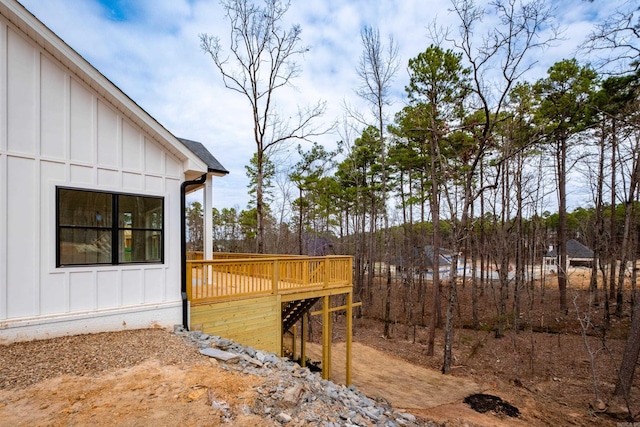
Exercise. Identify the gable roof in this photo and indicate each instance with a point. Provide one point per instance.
(50, 42)
(205, 155)
(575, 249)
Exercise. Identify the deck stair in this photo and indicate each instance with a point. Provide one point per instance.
(294, 310)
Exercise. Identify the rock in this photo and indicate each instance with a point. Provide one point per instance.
(283, 418)
(599, 405)
(251, 360)
(298, 396)
(618, 410)
(293, 394)
(408, 417)
(224, 356)
(260, 356)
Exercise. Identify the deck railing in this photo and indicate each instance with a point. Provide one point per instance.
(199, 255)
(247, 275)
(195, 255)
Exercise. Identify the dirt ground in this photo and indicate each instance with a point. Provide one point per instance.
(544, 367)
(558, 392)
(131, 378)
(152, 377)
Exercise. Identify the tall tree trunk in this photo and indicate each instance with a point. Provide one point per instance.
(519, 235)
(562, 223)
(435, 220)
(451, 301)
(474, 278)
(598, 238)
(629, 216)
(260, 202)
(630, 358)
(613, 260)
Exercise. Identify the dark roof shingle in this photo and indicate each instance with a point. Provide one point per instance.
(575, 249)
(203, 154)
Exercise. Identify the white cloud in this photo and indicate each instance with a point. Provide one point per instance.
(153, 55)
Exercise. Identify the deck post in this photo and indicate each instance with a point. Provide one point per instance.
(276, 276)
(326, 338)
(294, 342)
(349, 332)
(303, 342)
(326, 272)
(280, 332)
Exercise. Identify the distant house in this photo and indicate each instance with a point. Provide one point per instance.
(428, 256)
(424, 257)
(319, 246)
(92, 190)
(578, 255)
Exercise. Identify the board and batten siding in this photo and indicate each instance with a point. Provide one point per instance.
(57, 131)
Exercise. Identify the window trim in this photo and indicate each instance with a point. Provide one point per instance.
(114, 229)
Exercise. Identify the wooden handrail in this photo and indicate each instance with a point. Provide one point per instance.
(209, 280)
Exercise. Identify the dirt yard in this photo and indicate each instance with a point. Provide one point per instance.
(543, 368)
(152, 377)
(131, 378)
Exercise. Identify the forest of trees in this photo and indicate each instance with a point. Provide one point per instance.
(479, 161)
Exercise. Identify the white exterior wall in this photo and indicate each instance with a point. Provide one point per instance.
(56, 131)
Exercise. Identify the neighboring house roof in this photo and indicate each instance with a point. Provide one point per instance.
(575, 249)
(83, 70)
(444, 256)
(205, 155)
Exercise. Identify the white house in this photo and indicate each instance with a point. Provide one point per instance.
(578, 255)
(91, 195)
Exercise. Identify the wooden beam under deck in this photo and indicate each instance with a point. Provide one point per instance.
(224, 297)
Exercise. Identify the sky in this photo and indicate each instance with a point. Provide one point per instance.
(151, 50)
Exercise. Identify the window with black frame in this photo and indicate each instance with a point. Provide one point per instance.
(108, 228)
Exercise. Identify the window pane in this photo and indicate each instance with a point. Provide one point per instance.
(140, 246)
(85, 246)
(84, 208)
(140, 212)
(88, 232)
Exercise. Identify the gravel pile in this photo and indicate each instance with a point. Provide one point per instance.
(292, 395)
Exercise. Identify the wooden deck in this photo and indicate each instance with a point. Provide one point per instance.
(241, 296)
(232, 277)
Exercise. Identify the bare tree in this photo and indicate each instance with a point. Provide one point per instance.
(376, 69)
(262, 60)
(616, 40)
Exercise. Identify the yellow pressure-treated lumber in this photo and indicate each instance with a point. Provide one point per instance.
(303, 342)
(326, 338)
(240, 296)
(349, 332)
(333, 309)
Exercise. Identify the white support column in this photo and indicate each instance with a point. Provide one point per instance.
(208, 218)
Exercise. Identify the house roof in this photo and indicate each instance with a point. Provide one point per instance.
(575, 249)
(442, 252)
(205, 155)
(50, 42)
(425, 256)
